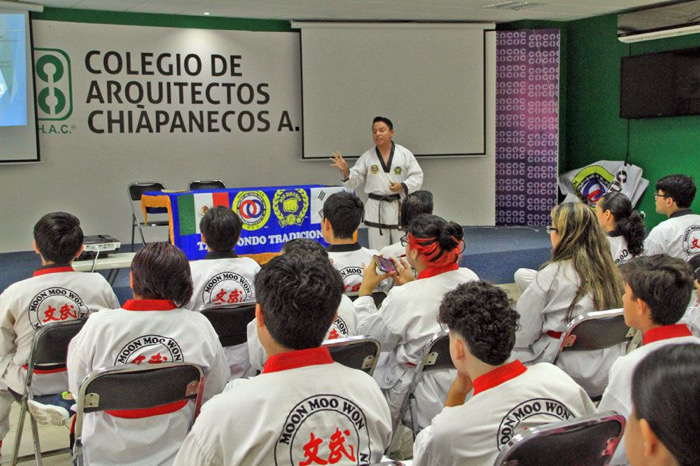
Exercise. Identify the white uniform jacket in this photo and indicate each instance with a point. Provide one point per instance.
(394, 250)
(542, 308)
(505, 402)
(303, 407)
(223, 279)
(348, 259)
(53, 294)
(692, 315)
(404, 324)
(618, 394)
(679, 236)
(344, 326)
(618, 248)
(143, 332)
(376, 176)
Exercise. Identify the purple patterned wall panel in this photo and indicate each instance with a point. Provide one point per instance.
(527, 125)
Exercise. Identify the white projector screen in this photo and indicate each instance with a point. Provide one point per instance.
(428, 78)
(18, 133)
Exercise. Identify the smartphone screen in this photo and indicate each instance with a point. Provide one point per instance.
(385, 265)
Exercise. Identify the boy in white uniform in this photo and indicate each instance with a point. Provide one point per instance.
(152, 328)
(657, 291)
(303, 408)
(482, 324)
(224, 278)
(692, 314)
(56, 293)
(389, 172)
(679, 236)
(416, 203)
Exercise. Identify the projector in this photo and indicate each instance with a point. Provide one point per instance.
(100, 246)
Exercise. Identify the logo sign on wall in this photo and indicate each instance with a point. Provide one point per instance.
(527, 125)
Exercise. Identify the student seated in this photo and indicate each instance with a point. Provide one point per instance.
(342, 327)
(472, 431)
(416, 203)
(407, 319)
(662, 429)
(657, 291)
(679, 236)
(224, 278)
(304, 408)
(581, 277)
(623, 225)
(342, 214)
(692, 314)
(56, 293)
(152, 328)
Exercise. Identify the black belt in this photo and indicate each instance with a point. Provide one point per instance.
(385, 198)
(380, 225)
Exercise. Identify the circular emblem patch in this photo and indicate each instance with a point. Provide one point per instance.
(352, 278)
(149, 349)
(324, 429)
(253, 207)
(227, 288)
(545, 409)
(56, 305)
(290, 206)
(374, 169)
(397, 170)
(691, 240)
(591, 183)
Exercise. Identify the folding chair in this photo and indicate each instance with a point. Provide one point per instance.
(593, 331)
(229, 321)
(123, 388)
(206, 184)
(377, 296)
(135, 191)
(49, 351)
(360, 352)
(436, 355)
(589, 441)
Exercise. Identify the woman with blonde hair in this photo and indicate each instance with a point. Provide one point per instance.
(580, 277)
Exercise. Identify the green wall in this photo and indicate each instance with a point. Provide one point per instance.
(595, 131)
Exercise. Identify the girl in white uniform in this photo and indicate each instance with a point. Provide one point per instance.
(623, 224)
(416, 203)
(581, 277)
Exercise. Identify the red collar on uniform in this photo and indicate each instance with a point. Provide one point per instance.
(53, 269)
(666, 332)
(296, 359)
(149, 305)
(499, 375)
(432, 271)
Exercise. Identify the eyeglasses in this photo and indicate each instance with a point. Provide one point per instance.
(550, 229)
(404, 240)
(661, 195)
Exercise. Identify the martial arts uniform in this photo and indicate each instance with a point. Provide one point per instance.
(679, 236)
(342, 327)
(542, 308)
(56, 293)
(226, 279)
(348, 259)
(505, 402)
(143, 332)
(303, 407)
(618, 394)
(404, 324)
(395, 250)
(618, 248)
(382, 207)
(691, 318)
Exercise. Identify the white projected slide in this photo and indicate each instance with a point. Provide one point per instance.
(13, 71)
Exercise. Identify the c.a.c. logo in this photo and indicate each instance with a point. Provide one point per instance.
(254, 209)
(591, 183)
(56, 305)
(324, 429)
(54, 94)
(691, 240)
(290, 206)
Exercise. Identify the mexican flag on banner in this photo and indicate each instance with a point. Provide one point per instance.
(191, 208)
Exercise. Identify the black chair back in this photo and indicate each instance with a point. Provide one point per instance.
(359, 352)
(137, 189)
(206, 184)
(230, 321)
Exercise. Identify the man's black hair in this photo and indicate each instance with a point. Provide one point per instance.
(483, 315)
(162, 271)
(416, 203)
(299, 296)
(58, 237)
(385, 120)
(344, 211)
(221, 228)
(305, 246)
(680, 188)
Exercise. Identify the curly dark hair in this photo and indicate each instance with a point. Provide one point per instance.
(482, 314)
(304, 246)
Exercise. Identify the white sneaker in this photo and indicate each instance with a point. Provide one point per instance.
(48, 415)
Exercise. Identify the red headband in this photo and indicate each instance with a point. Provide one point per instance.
(430, 249)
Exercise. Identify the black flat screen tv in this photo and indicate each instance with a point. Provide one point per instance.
(660, 84)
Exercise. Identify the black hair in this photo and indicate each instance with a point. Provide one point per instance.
(628, 222)
(680, 188)
(436, 234)
(666, 393)
(299, 296)
(58, 237)
(695, 265)
(665, 283)
(344, 211)
(385, 120)
(221, 228)
(162, 271)
(416, 203)
(483, 315)
(304, 246)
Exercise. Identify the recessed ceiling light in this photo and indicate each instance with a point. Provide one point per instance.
(512, 5)
(206, 13)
